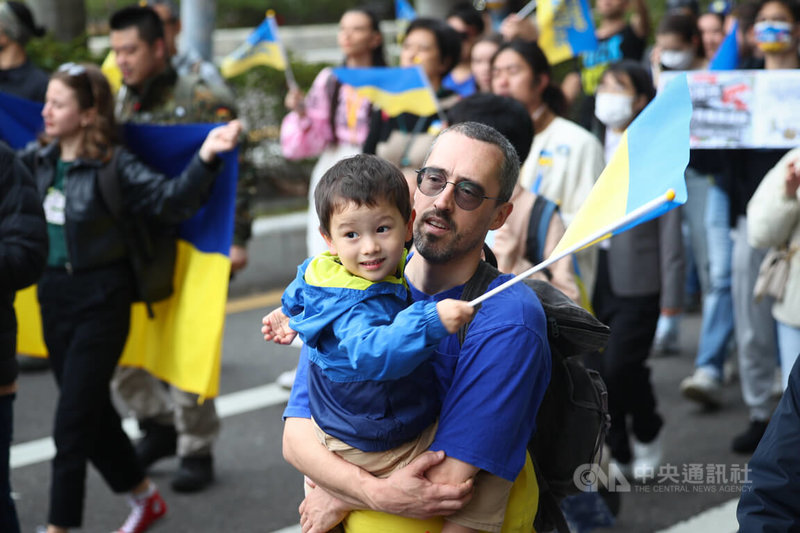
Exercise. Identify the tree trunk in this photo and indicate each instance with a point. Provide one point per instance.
(64, 19)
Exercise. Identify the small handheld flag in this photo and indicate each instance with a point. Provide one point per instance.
(262, 47)
(727, 56)
(404, 11)
(395, 90)
(643, 180)
(566, 28)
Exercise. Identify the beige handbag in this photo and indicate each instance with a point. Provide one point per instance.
(773, 273)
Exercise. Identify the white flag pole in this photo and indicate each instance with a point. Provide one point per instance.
(627, 219)
(273, 26)
(527, 9)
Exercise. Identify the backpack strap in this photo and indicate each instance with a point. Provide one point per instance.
(538, 225)
(108, 182)
(477, 285)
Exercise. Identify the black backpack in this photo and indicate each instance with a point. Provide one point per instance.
(152, 247)
(573, 417)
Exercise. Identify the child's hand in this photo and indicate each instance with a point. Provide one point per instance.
(454, 313)
(276, 328)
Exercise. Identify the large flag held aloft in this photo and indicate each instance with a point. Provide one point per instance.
(565, 27)
(395, 90)
(183, 344)
(643, 180)
(262, 47)
(727, 56)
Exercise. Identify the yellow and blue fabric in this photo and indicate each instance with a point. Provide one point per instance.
(183, 344)
(394, 90)
(727, 56)
(565, 28)
(370, 379)
(20, 120)
(404, 11)
(262, 47)
(650, 161)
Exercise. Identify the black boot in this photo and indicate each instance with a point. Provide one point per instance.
(159, 441)
(747, 442)
(195, 474)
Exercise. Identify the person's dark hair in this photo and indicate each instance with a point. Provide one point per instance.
(553, 96)
(509, 168)
(25, 19)
(91, 90)
(503, 113)
(468, 15)
(691, 6)
(362, 179)
(639, 76)
(495, 38)
(791, 6)
(684, 26)
(746, 15)
(143, 18)
(447, 40)
(174, 12)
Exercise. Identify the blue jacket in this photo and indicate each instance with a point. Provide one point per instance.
(770, 501)
(370, 382)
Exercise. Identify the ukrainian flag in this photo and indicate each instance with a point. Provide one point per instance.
(183, 344)
(262, 47)
(727, 56)
(645, 174)
(395, 90)
(404, 11)
(566, 28)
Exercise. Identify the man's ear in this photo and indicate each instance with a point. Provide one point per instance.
(328, 241)
(500, 215)
(410, 226)
(160, 49)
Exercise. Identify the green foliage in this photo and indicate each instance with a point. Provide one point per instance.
(48, 53)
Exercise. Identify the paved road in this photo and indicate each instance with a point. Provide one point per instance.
(256, 491)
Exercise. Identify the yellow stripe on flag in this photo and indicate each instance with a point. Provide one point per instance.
(416, 101)
(267, 54)
(183, 344)
(606, 203)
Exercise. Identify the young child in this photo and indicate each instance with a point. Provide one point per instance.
(372, 393)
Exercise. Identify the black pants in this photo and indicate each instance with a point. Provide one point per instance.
(86, 317)
(8, 513)
(633, 323)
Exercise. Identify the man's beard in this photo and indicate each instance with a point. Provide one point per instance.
(438, 250)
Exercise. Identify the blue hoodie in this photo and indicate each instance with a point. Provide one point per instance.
(370, 382)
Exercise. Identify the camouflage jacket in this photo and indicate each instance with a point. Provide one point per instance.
(169, 98)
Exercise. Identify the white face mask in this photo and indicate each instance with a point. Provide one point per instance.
(677, 59)
(613, 109)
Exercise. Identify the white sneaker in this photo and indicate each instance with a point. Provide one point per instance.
(286, 379)
(703, 387)
(647, 459)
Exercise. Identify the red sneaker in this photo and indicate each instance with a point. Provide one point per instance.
(144, 512)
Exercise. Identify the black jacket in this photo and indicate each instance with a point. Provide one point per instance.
(93, 237)
(23, 250)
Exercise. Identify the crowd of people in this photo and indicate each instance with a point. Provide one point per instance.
(406, 401)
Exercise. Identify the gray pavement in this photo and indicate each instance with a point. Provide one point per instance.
(256, 491)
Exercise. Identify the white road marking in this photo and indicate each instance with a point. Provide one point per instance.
(235, 403)
(719, 519)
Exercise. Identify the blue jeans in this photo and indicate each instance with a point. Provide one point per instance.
(788, 349)
(9, 523)
(717, 324)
